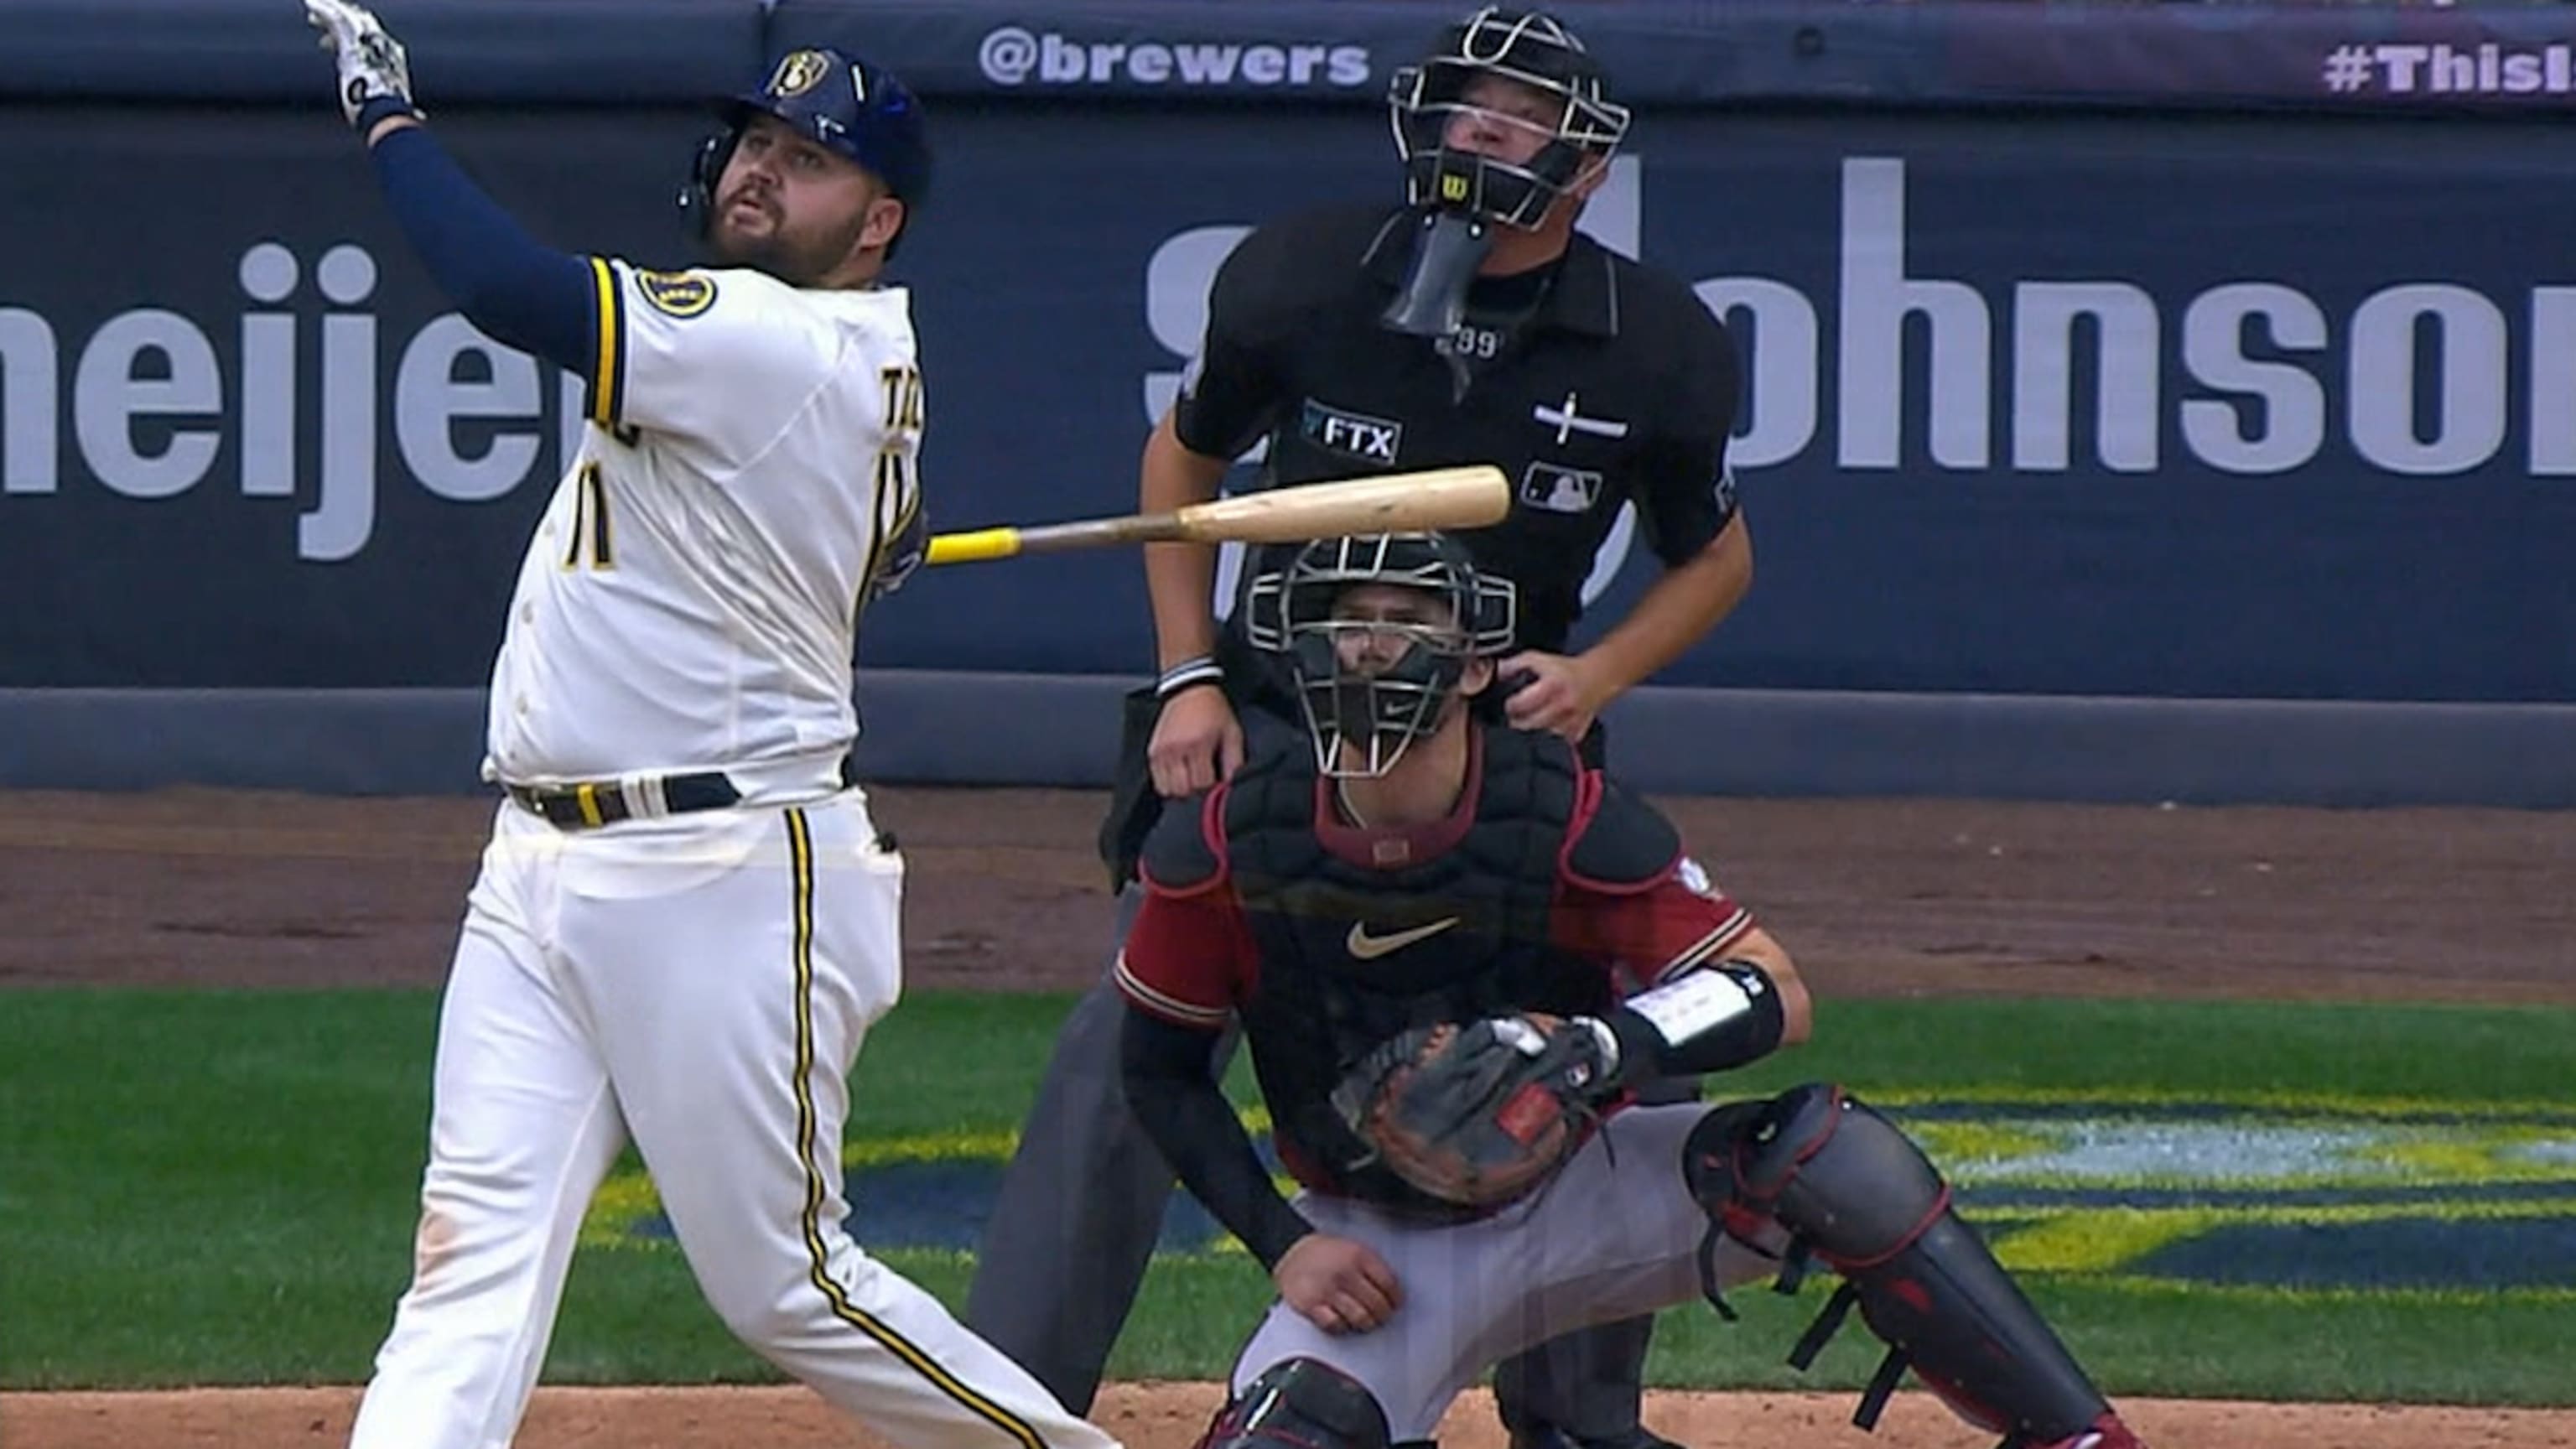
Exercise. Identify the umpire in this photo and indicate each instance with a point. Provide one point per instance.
(1471, 325)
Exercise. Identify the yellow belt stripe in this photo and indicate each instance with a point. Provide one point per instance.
(800, 850)
(587, 796)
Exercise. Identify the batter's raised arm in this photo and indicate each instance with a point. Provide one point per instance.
(529, 296)
(805, 187)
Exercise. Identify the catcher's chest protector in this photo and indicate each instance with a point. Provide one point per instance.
(1350, 955)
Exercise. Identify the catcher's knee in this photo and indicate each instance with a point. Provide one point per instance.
(1831, 1170)
(1300, 1403)
(1853, 1190)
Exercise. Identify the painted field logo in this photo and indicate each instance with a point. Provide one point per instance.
(2282, 1197)
(2297, 1197)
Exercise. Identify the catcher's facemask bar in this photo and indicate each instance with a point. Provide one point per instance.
(1363, 709)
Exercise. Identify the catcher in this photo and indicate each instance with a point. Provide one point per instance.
(1423, 930)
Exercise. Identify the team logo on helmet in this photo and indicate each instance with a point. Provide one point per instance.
(876, 122)
(800, 71)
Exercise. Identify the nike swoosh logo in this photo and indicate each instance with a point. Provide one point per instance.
(1369, 948)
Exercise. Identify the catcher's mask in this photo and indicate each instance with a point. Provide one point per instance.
(1534, 50)
(840, 102)
(1377, 681)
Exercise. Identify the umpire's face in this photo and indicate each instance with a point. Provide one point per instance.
(1505, 119)
(1513, 123)
(800, 212)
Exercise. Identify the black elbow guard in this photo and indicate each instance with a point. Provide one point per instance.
(1706, 1019)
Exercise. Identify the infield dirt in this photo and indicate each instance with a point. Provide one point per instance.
(1876, 898)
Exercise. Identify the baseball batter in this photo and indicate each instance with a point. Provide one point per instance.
(1421, 925)
(685, 922)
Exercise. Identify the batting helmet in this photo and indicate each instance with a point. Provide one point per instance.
(1528, 47)
(837, 100)
(1378, 705)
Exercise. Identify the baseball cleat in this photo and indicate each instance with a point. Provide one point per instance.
(2107, 1433)
(1548, 1436)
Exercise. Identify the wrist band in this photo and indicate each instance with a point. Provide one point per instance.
(1187, 674)
(380, 109)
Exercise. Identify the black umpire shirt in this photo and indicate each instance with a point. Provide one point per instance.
(1592, 383)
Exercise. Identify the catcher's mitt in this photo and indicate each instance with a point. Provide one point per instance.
(1480, 1113)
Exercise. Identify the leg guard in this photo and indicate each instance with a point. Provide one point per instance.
(1300, 1403)
(1860, 1196)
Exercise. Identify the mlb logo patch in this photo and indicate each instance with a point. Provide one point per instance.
(1555, 488)
(1353, 435)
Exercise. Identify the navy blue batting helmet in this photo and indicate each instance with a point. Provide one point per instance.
(837, 100)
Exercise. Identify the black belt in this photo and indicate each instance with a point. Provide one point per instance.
(595, 803)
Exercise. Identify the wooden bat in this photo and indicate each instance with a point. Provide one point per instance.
(1439, 498)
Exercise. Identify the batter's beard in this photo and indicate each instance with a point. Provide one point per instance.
(799, 262)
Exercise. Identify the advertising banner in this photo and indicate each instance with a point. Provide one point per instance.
(2343, 58)
(2330, 58)
(2117, 405)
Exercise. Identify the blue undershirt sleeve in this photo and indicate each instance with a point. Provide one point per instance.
(519, 292)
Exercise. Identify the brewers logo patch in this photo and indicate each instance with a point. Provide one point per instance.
(798, 72)
(681, 294)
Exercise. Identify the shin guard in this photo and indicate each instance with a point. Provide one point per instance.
(1300, 1403)
(1857, 1193)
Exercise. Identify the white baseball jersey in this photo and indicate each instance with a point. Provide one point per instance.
(696, 983)
(690, 600)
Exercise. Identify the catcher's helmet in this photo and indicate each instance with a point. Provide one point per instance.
(1378, 705)
(1534, 49)
(836, 99)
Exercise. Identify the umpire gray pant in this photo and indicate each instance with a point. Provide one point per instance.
(1081, 1205)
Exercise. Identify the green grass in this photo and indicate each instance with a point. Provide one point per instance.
(2159, 1343)
(217, 1187)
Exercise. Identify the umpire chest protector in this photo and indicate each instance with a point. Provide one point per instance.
(1352, 953)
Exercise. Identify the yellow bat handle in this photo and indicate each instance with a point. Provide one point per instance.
(974, 546)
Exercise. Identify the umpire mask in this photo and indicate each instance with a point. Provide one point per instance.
(1505, 114)
(1376, 668)
(1493, 127)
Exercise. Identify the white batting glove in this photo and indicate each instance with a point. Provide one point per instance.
(375, 77)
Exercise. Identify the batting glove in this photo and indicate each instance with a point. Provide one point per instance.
(375, 77)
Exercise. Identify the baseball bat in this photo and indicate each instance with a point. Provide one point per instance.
(1437, 498)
